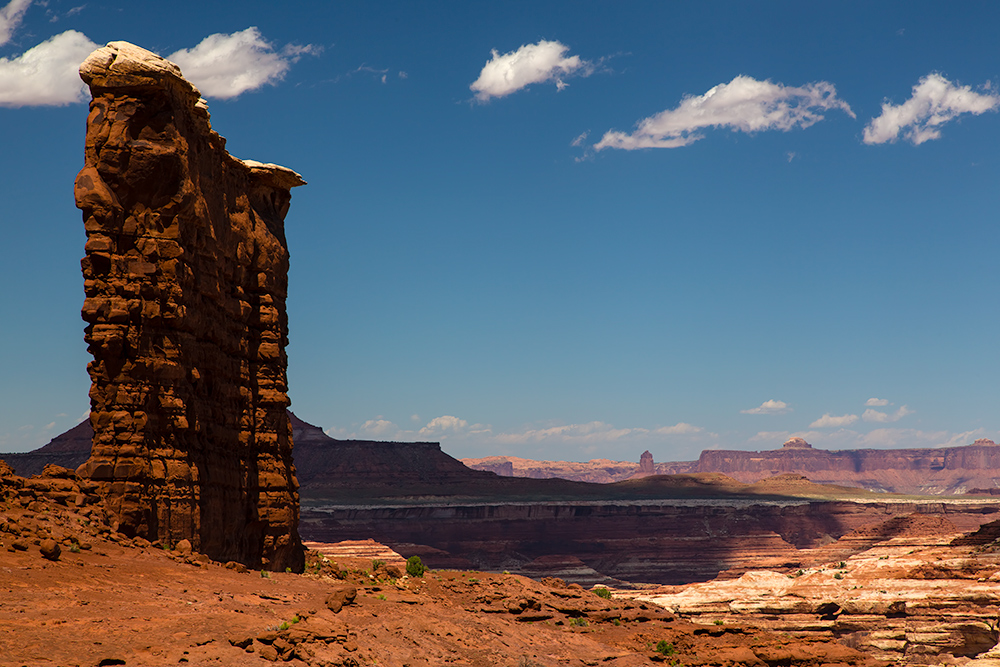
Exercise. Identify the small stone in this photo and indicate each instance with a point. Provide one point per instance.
(183, 547)
(50, 549)
(269, 653)
(267, 637)
(340, 596)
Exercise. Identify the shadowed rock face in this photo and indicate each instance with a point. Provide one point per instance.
(185, 276)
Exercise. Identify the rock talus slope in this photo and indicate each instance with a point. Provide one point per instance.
(185, 277)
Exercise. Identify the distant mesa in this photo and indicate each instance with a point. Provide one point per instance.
(973, 468)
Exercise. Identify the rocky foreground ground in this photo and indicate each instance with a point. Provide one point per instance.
(73, 591)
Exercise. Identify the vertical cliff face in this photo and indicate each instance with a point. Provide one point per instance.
(185, 276)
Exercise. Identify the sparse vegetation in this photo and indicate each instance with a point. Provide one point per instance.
(376, 564)
(719, 621)
(603, 592)
(264, 574)
(838, 575)
(75, 548)
(665, 648)
(842, 565)
(287, 624)
(415, 567)
(579, 622)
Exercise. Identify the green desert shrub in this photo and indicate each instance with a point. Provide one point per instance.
(602, 592)
(665, 647)
(415, 567)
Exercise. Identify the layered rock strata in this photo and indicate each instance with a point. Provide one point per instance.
(185, 277)
(669, 541)
(912, 597)
(947, 470)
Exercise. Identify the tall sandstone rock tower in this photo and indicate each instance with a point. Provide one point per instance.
(185, 276)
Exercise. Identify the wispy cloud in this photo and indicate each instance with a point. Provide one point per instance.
(378, 427)
(829, 421)
(744, 104)
(47, 74)
(771, 407)
(54, 16)
(877, 402)
(870, 415)
(532, 63)
(10, 18)
(935, 101)
(455, 431)
(226, 66)
(680, 428)
(915, 438)
(443, 425)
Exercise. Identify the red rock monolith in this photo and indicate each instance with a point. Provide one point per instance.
(185, 277)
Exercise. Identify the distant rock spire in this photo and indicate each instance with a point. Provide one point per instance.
(646, 463)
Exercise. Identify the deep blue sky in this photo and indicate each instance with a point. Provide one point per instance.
(458, 266)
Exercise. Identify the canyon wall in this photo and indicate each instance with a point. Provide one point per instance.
(185, 276)
(667, 542)
(947, 470)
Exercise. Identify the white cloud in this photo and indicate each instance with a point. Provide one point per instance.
(915, 439)
(379, 427)
(221, 65)
(829, 421)
(743, 104)
(589, 432)
(225, 66)
(47, 74)
(877, 402)
(935, 101)
(680, 428)
(532, 63)
(444, 424)
(771, 407)
(870, 415)
(11, 17)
